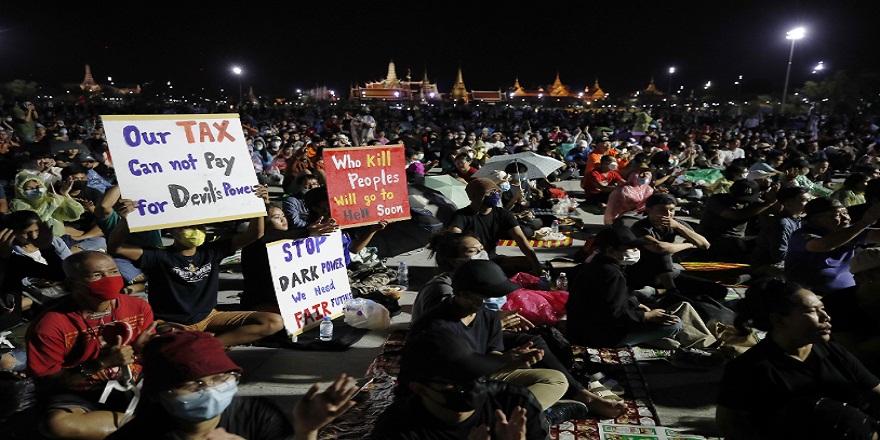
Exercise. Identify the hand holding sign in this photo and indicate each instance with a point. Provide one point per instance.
(367, 184)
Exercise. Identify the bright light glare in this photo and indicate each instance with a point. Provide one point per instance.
(796, 34)
(236, 70)
(671, 70)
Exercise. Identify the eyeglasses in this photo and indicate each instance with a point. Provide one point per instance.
(221, 382)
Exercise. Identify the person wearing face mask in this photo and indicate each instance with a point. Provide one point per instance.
(185, 276)
(599, 183)
(83, 233)
(631, 196)
(490, 223)
(31, 194)
(83, 344)
(189, 392)
(450, 397)
(601, 310)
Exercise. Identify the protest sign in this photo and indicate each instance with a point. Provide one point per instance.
(310, 279)
(366, 184)
(182, 169)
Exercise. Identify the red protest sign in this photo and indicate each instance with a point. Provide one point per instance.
(366, 184)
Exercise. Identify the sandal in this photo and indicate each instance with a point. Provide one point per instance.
(597, 387)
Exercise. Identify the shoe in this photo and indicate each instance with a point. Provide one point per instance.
(695, 358)
(566, 410)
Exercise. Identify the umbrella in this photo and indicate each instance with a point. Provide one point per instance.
(450, 188)
(539, 166)
(400, 237)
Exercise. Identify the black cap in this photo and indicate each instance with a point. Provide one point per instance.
(483, 278)
(432, 355)
(85, 158)
(820, 205)
(660, 199)
(745, 190)
(618, 236)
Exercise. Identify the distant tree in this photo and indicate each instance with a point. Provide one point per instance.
(845, 91)
(19, 90)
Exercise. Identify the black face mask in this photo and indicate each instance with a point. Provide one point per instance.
(78, 185)
(466, 397)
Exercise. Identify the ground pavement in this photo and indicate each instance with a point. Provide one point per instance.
(683, 398)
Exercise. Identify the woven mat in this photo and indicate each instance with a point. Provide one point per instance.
(540, 243)
(712, 265)
(618, 364)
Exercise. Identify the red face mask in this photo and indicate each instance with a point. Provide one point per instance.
(107, 288)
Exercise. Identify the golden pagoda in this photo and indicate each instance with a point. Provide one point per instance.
(652, 89)
(89, 84)
(557, 89)
(517, 89)
(459, 92)
(597, 94)
(392, 88)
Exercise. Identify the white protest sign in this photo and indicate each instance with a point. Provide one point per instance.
(310, 279)
(182, 169)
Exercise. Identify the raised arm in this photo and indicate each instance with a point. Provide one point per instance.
(256, 227)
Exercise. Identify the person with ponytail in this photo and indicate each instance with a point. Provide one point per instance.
(795, 366)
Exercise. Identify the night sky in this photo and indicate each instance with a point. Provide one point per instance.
(282, 46)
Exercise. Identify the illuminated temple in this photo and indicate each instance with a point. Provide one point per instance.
(393, 89)
(556, 90)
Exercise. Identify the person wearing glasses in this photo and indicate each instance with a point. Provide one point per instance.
(488, 222)
(189, 392)
(87, 341)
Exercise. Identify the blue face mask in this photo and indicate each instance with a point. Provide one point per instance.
(492, 200)
(494, 304)
(505, 186)
(34, 194)
(201, 405)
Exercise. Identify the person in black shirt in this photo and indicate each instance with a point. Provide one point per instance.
(189, 391)
(489, 223)
(726, 216)
(451, 399)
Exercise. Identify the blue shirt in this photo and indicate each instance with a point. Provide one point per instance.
(821, 272)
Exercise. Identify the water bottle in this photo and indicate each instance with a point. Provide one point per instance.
(555, 226)
(326, 329)
(545, 282)
(562, 282)
(403, 274)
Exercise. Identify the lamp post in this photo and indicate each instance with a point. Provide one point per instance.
(669, 91)
(237, 71)
(793, 35)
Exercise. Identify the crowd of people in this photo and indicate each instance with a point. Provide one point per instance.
(106, 307)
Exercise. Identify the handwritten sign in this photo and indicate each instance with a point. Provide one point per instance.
(366, 184)
(310, 280)
(182, 169)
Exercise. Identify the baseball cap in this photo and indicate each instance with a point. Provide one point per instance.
(440, 355)
(618, 236)
(483, 278)
(477, 188)
(821, 204)
(865, 259)
(181, 356)
(745, 190)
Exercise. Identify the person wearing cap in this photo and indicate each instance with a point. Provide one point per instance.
(819, 253)
(464, 317)
(631, 196)
(579, 155)
(77, 347)
(490, 223)
(189, 392)
(600, 181)
(855, 310)
(726, 216)
(450, 398)
(184, 278)
(601, 311)
(771, 246)
(655, 267)
(96, 179)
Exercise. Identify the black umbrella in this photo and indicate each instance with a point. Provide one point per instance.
(400, 237)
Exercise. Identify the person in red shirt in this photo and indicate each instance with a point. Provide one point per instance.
(599, 183)
(601, 147)
(85, 342)
(463, 170)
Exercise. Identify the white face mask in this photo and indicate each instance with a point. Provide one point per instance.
(612, 166)
(642, 181)
(482, 255)
(630, 257)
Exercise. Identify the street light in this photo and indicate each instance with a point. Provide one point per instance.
(237, 71)
(669, 91)
(793, 35)
(819, 67)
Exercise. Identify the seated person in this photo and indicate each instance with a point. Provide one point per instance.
(294, 206)
(726, 216)
(31, 194)
(83, 234)
(463, 170)
(599, 182)
(184, 279)
(516, 197)
(450, 398)
(771, 246)
(34, 262)
(820, 251)
(72, 355)
(853, 190)
(820, 172)
(796, 364)
(489, 223)
(189, 391)
(731, 174)
(655, 267)
(601, 311)
(856, 327)
(631, 196)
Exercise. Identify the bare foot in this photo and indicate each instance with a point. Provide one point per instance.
(606, 408)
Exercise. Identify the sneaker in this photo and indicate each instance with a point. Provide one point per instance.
(566, 410)
(695, 358)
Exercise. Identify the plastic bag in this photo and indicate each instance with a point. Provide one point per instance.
(366, 313)
(541, 307)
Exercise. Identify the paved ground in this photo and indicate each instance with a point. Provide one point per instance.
(684, 398)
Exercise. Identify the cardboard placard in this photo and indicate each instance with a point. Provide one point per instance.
(366, 184)
(182, 169)
(310, 279)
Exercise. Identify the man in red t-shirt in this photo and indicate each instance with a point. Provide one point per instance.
(89, 339)
(599, 183)
(463, 170)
